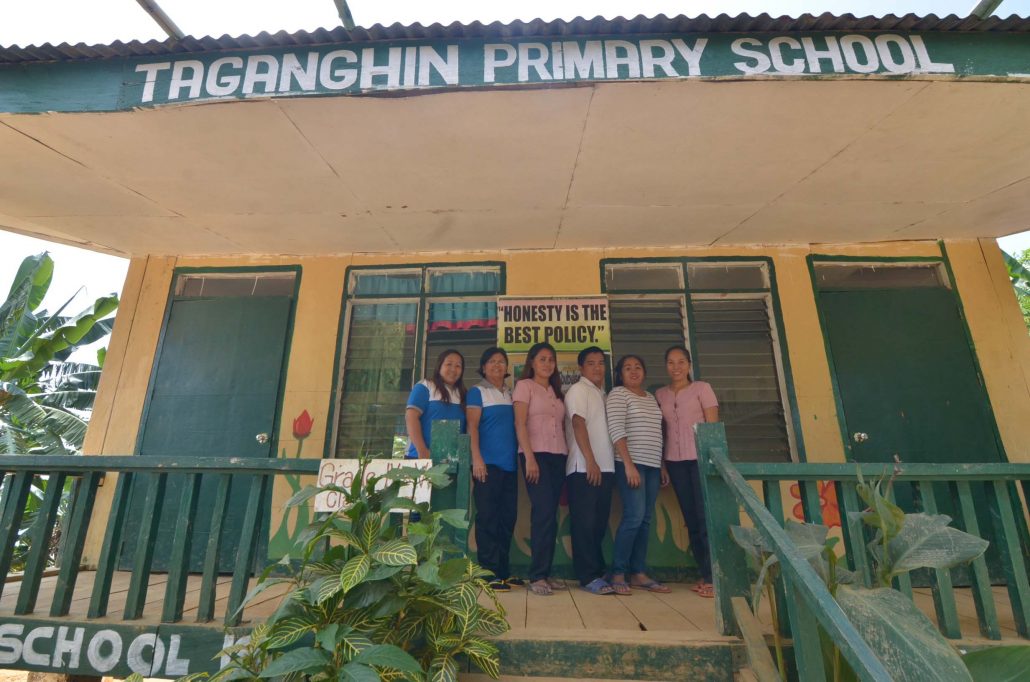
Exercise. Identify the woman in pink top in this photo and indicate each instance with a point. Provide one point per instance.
(685, 402)
(540, 428)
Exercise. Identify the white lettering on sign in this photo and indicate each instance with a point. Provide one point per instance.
(892, 53)
(62, 649)
(439, 65)
(110, 641)
(68, 645)
(135, 659)
(341, 473)
(10, 644)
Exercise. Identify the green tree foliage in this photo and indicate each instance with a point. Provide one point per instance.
(1019, 273)
(45, 399)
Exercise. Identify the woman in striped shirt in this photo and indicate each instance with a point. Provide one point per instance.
(635, 426)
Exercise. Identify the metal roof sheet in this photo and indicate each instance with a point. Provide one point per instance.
(579, 26)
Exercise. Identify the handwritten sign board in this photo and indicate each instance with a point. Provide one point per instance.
(341, 472)
(568, 324)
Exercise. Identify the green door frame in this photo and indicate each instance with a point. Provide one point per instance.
(297, 270)
(814, 258)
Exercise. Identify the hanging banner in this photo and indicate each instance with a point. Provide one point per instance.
(568, 324)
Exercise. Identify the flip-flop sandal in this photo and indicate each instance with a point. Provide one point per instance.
(707, 591)
(556, 584)
(621, 589)
(652, 586)
(541, 588)
(598, 586)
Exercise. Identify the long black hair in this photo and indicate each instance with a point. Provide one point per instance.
(617, 379)
(441, 386)
(555, 379)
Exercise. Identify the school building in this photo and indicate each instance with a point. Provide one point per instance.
(810, 204)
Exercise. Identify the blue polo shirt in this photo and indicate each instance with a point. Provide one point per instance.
(426, 399)
(497, 441)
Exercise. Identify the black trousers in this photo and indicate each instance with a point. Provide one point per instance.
(686, 482)
(497, 502)
(543, 517)
(589, 509)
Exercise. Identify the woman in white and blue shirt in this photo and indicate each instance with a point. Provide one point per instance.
(441, 397)
(491, 427)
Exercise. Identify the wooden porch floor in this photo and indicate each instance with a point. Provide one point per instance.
(263, 605)
(569, 614)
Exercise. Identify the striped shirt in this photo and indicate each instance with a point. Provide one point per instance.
(638, 419)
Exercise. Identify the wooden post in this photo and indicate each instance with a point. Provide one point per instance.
(39, 544)
(450, 446)
(729, 563)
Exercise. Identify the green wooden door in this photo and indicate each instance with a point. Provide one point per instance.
(907, 381)
(215, 388)
(906, 377)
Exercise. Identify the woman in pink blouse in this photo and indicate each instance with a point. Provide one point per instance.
(540, 428)
(685, 402)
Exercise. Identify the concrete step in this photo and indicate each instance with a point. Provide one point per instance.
(620, 655)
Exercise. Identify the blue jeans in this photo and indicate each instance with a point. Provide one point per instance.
(629, 555)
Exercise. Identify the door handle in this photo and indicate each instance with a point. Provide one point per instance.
(860, 437)
(261, 438)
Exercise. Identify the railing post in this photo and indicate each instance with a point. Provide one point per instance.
(806, 639)
(451, 447)
(729, 564)
(39, 544)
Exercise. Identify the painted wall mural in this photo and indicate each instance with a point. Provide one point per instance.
(827, 503)
(286, 534)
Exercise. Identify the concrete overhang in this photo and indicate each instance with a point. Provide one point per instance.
(617, 164)
(695, 160)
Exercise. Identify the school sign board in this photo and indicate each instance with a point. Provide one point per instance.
(362, 68)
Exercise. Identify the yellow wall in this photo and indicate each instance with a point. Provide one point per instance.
(996, 325)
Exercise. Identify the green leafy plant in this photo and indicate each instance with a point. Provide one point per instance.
(45, 398)
(902, 636)
(1019, 272)
(371, 599)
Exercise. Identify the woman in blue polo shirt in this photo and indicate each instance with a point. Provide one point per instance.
(441, 397)
(491, 424)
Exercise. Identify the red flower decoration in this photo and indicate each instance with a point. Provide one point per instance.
(827, 503)
(302, 425)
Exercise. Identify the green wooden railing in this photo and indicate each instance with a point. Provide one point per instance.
(806, 604)
(151, 477)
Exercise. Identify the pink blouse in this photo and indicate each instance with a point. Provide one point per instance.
(546, 421)
(680, 411)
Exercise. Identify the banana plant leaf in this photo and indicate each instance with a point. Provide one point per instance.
(904, 640)
(927, 541)
(1018, 273)
(999, 664)
(55, 425)
(39, 351)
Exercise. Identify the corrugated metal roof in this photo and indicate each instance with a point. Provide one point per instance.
(723, 23)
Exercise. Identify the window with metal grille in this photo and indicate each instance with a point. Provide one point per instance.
(398, 320)
(731, 332)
